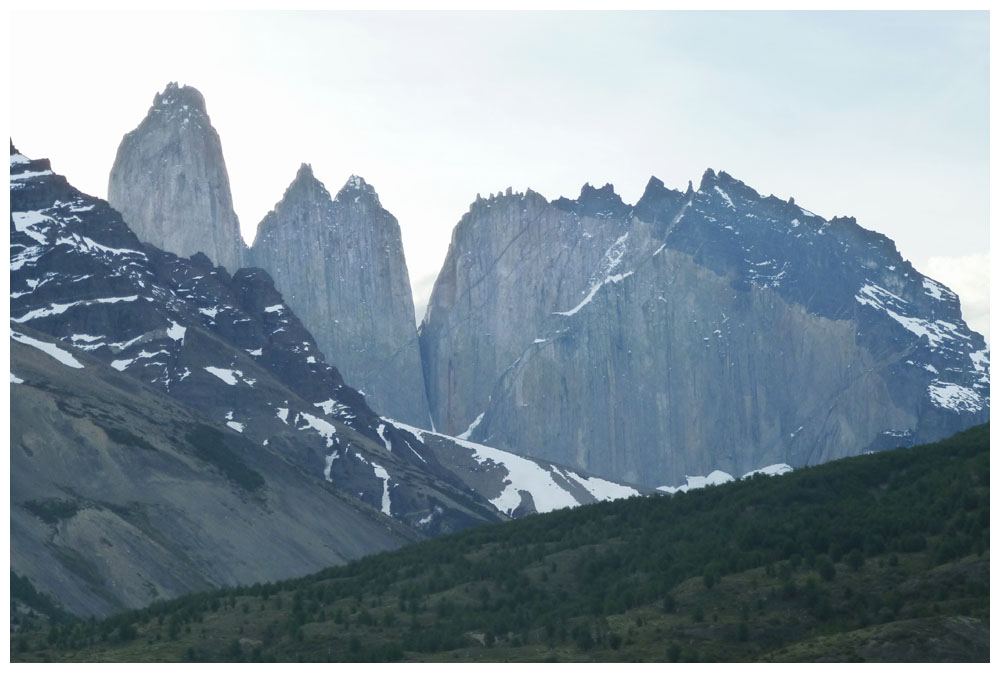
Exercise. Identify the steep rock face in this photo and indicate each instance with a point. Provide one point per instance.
(169, 181)
(712, 329)
(512, 258)
(339, 264)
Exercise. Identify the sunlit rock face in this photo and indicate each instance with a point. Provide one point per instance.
(709, 329)
(339, 263)
(169, 181)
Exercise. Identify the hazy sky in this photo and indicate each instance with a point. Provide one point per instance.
(884, 116)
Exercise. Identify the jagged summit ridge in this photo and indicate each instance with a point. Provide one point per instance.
(601, 202)
(170, 183)
(714, 329)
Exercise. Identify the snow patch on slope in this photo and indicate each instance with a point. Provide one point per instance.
(323, 428)
(329, 465)
(475, 423)
(725, 196)
(602, 489)
(617, 278)
(717, 477)
(229, 376)
(56, 309)
(381, 434)
(937, 332)
(770, 470)
(981, 360)
(27, 175)
(176, 332)
(954, 397)
(382, 474)
(524, 474)
(27, 221)
(49, 349)
(936, 289)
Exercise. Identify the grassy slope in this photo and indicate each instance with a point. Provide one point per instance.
(880, 557)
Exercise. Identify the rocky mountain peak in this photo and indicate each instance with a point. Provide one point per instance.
(176, 98)
(339, 264)
(601, 202)
(727, 191)
(589, 192)
(305, 172)
(356, 189)
(657, 198)
(712, 178)
(305, 188)
(170, 183)
(654, 185)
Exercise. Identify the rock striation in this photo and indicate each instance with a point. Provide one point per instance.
(339, 263)
(169, 181)
(698, 330)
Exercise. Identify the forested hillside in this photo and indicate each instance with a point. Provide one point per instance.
(876, 558)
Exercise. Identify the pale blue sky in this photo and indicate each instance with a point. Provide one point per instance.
(884, 116)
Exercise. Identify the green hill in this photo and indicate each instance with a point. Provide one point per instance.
(883, 557)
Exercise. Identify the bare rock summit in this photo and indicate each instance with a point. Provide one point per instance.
(169, 181)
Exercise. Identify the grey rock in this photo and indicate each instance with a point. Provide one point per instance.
(169, 181)
(695, 331)
(339, 264)
(512, 259)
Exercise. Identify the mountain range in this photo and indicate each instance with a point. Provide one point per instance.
(695, 331)
(191, 412)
